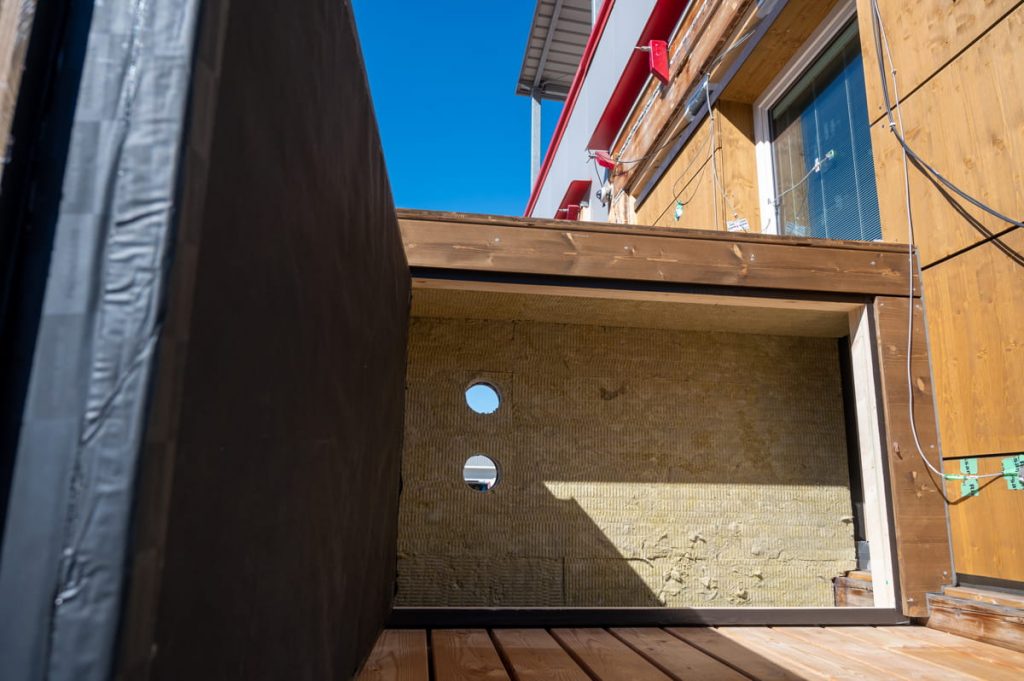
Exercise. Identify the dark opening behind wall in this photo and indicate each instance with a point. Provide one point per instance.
(269, 488)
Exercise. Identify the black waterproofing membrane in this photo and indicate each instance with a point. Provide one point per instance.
(67, 523)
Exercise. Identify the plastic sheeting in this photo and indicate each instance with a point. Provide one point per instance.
(94, 349)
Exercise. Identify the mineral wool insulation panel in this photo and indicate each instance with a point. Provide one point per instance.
(638, 467)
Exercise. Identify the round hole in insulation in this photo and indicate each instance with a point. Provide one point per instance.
(480, 473)
(483, 398)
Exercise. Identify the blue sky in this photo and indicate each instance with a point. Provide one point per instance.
(443, 78)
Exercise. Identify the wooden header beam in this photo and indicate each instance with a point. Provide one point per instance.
(482, 243)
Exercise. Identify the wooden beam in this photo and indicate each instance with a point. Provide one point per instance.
(671, 256)
(420, 618)
(410, 214)
(918, 507)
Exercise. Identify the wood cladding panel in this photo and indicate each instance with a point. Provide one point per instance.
(918, 509)
(790, 30)
(923, 36)
(986, 528)
(285, 394)
(688, 180)
(709, 203)
(975, 308)
(967, 122)
(728, 260)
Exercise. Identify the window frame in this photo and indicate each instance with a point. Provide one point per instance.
(813, 47)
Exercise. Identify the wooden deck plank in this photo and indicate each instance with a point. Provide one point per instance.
(748, 659)
(940, 639)
(605, 657)
(399, 655)
(533, 655)
(798, 655)
(952, 654)
(674, 657)
(466, 655)
(885, 659)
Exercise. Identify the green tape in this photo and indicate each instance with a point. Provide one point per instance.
(1012, 468)
(969, 466)
(969, 488)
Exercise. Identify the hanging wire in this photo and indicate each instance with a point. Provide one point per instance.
(698, 177)
(882, 41)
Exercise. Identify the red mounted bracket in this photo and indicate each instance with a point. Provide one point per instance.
(657, 59)
(604, 159)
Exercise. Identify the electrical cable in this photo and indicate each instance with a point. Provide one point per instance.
(719, 185)
(880, 38)
(698, 177)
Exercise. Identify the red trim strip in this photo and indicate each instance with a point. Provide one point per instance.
(663, 19)
(570, 101)
(577, 191)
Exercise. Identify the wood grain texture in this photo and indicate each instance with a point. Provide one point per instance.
(740, 656)
(533, 655)
(918, 508)
(1006, 598)
(923, 36)
(967, 122)
(996, 624)
(794, 25)
(605, 657)
(976, 327)
(981, 660)
(477, 219)
(674, 657)
(747, 260)
(400, 655)
(466, 655)
(904, 641)
(985, 528)
(853, 593)
(690, 179)
(884, 660)
(799, 655)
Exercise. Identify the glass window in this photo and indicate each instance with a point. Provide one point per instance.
(821, 149)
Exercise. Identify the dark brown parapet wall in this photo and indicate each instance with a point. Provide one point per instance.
(265, 543)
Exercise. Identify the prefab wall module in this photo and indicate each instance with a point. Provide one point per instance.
(673, 442)
(209, 283)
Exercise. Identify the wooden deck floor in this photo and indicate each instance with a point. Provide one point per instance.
(651, 654)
